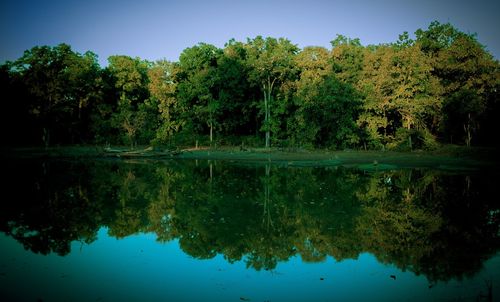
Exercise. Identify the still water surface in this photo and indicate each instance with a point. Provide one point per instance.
(223, 231)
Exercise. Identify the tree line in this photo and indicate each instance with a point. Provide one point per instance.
(441, 87)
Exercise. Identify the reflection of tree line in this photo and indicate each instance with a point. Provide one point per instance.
(428, 222)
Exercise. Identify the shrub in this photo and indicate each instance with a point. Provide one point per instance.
(413, 139)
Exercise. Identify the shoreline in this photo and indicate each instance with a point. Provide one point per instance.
(449, 158)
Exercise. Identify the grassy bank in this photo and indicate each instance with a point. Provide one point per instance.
(448, 157)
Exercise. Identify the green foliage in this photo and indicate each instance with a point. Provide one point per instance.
(443, 86)
(196, 90)
(328, 111)
(347, 59)
(162, 88)
(134, 117)
(437, 37)
(413, 139)
(469, 76)
(238, 115)
(401, 92)
(58, 86)
(270, 63)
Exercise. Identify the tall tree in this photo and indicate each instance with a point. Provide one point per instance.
(270, 61)
(337, 108)
(415, 91)
(347, 59)
(60, 85)
(85, 88)
(401, 90)
(162, 88)
(376, 118)
(237, 113)
(133, 111)
(313, 65)
(470, 79)
(197, 86)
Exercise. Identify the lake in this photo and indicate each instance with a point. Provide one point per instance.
(201, 230)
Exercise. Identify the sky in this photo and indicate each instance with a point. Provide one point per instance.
(154, 29)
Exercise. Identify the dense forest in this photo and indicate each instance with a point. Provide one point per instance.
(441, 87)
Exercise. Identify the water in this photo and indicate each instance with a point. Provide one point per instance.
(225, 231)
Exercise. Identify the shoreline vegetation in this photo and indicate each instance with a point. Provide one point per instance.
(451, 157)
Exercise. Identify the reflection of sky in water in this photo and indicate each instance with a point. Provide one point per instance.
(138, 268)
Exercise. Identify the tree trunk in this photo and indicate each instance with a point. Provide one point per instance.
(211, 133)
(468, 133)
(268, 90)
(266, 116)
(46, 138)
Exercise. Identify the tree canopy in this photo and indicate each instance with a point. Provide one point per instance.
(440, 87)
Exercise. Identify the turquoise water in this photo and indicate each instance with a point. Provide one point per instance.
(139, 269)
(218, 231)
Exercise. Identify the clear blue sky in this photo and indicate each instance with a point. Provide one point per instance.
(153, 29)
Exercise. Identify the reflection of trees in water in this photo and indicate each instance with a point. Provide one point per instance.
(48, 206)
(130, 215)
(470, 231)
(394, 225)
(428, 222)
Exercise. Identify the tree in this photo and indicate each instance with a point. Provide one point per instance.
(162, 88)
(197, 86)
(469, 77)
(376, 116)
(415, 91)
(437, 37)
(399, 86)
(325, 106)
(85, 86)
(102, 125)
(347, 59)
(60, 85)
(463, 108)
(235, 94)
(336, 108)
(270, 62)
(134, 114)
(313, 65)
